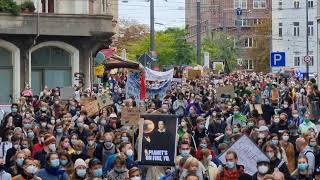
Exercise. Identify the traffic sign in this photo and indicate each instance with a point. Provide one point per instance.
(278, 59)
(307, 59)
(239, 11)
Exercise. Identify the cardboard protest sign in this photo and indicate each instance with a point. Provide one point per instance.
(248, 154)
(157, 141)
(130, 116)
(84, 101)
(92, 108)
(225, 90)
(256, 107)
(194, 74)
(104, 100)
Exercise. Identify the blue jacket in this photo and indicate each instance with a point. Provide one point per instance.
(108, 164)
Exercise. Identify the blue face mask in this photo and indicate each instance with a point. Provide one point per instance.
(275, 142)
(302, 166)
(55, 163)
(19, 162)
(201, 126)
(230, 165)
(203, 145)
(81, 172)
(125, 139)
(64, 162)
(59, 130)
(97, 172)
(30, 135)
(27, 126)
(73, 141)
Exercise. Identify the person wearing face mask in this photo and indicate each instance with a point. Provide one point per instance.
(179, 106)
(276, 163)
(4, 175)
(52, 168)
(29, 171)
(119, 170)
(16, 117)
(80, 170)
(286, 109)
(268, 111)
(302, 173)
(205, 144)
(184, 149)
(304, 150)
(200, 130)
(210, 168)
(307, 124)
(295, 120)
(49, 146)
(91, 146)
(66, 162)
(105, 149)
(134, 174)
(78, 147)
(231, 170)
(17, 167)
(280, 123)
(217, 127)
(15, 140)
(263, 169)
(185, 127)
(95, 169)
(39, 142)
(81, 131)
(274, 139)
(289, 150)
(124, 148)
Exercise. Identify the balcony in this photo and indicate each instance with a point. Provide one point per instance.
(56, 24)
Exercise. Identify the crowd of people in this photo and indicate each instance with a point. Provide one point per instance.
(44, 137)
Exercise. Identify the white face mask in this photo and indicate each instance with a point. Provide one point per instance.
(52, 147)
(129, 152)
(285, 138)
(209, 157)
(263, 169)
(136, 178)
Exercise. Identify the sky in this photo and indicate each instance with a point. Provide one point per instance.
(167, 14)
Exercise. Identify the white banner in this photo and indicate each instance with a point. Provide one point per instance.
(151, 75)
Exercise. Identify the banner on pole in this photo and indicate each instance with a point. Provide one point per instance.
(157, 140)
(133, 84)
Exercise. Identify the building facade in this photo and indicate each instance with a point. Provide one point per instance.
(220, 15)
(289, 32)
(52, 45)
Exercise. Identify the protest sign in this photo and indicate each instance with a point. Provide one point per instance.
(151, 75)
(66, 93)
(157, 142)
(256, 107)
(133, 85)
(194, 74)
(248, 154)
(161, 90)
(226, 90)
(92, 108)
(99, 70)
(86, 100)
(104, 100)
(130, 116)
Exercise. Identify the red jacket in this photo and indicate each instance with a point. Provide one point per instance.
(227, 174)
(36, 148)
(198, 153)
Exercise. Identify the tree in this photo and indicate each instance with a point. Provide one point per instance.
(221, 48)
(171, 46)
(261, 49)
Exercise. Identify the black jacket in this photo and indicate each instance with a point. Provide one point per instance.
(283, 168)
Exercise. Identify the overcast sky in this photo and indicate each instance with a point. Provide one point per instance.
(170, 14)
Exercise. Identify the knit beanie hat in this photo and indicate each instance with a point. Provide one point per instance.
(79, 162)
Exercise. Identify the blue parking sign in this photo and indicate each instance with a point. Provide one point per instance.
(278, 59)
(239, 12)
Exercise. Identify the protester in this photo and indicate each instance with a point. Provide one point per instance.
(52, 168)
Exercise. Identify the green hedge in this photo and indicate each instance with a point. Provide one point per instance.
(9, 6)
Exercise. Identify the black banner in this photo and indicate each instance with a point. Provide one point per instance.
(158, 142)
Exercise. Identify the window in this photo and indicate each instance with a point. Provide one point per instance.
(259, 4)
(296, 29)
(297, 61)
(248, 42)
(296, 4)
(240, 4)
(256, 21)
(310, 4)
(280, 29)
(6, 75)
(248, 64)
(244, 22)
(280, 4)
(310, 28)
